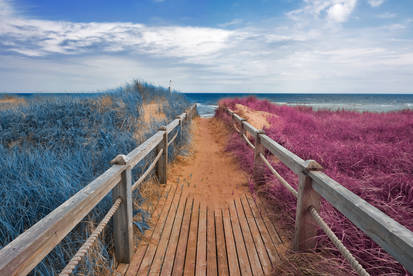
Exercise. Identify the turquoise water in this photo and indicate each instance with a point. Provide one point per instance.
(207, 102)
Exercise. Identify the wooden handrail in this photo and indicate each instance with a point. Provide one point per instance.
(393, 237)
(22, 254)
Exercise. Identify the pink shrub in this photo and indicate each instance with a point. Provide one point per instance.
(371, 154)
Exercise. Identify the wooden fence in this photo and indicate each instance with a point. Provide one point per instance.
(396, 239)
(21, 255)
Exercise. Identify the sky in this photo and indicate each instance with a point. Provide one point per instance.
(295, 46)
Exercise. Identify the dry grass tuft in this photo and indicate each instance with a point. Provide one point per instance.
(11, 101)
(103, 103)
(308, 263)
(258, 119)
(153, 111)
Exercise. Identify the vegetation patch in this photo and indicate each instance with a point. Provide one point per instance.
(371, 154)
(54, 145)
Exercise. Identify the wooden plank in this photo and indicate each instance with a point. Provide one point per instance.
(179, 262)
(153, 245)
(172, 125)
(244, 263)
(233, 261)
(396, 239)
(121, 269)
(259, 166)
(122, 219)
(250, 243)
(305, 226)
(168, 262)
(162, 165)
(190, 257)
(262, 210)
(211, 244)
(257, 224)
(222, 261)
(249, 128)
(139, 153)
(165, 236)
(22, 254)
(292, 161)
(201, 251)
(237, 118)
(143, 245)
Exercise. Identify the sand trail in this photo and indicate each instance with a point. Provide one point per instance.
(210, 173)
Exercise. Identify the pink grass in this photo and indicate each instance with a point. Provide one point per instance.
(371, 154)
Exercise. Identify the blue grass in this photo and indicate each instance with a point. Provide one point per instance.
(53, 146)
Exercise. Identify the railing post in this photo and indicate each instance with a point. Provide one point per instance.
(180, 127)
(163, 161)
(242, 130)
(258, 173)
(305, 225)
(122, 219)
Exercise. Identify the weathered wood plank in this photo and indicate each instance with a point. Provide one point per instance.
(249, 128)
(396, 239)
(233, 262)
(168, 262)
(292, 161)
(165, 236)
(211, 244)
(179, 262)
(157, 232)
(259, 166)
(190, 258)
(139, 153)
(21, 255)
(305, 225)
(252, 238)
(221, 244)
(143, 245)
(237, 118)
(162, 165)
(265, 247)
(122, 219)
(260, 207)
(201, 252)
(172, 125)
(244, 262)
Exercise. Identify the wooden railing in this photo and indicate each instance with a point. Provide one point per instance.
(313, 184)
(21, 255)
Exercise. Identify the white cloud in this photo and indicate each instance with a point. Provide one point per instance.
(43, 37)
(375, 3)
(334, 10)
(306, 55)
(341, 10)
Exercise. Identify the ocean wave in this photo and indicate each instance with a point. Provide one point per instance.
(206, 110)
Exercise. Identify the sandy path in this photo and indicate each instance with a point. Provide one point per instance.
(211, 174)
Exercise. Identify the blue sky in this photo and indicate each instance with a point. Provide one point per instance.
(303, 46)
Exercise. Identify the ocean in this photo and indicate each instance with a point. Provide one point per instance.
(208, 102)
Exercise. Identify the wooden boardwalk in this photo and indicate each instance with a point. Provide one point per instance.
(189, 238)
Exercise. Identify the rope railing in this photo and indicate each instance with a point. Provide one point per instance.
(22, 254)
(236, 128)
(340, 246)
(248, 141)
(171, 141)
(323, 225)
(317, 218)
(278, 176)
(148, 170)
(90, 241)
